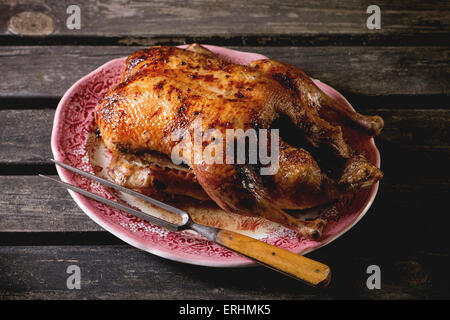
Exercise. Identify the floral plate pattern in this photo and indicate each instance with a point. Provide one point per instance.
(73, 143)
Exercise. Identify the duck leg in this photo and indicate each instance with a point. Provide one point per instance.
(314, 98)
(238, 189)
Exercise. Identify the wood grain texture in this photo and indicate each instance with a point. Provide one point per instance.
(400, 72)
(256, 21)
(410, 139)
(30, 205)
(361, 71)
(25, 136)
(122, 272)
(414, 149)
(33, 204)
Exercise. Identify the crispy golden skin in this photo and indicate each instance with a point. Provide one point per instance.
(164, 89)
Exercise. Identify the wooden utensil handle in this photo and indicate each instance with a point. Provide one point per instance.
(296, 266)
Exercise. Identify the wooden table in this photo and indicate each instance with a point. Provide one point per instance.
(400, 72)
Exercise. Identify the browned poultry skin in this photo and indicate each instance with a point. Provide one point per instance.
(165, 88)
(155, 180)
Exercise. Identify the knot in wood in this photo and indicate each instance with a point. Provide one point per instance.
(31, 24)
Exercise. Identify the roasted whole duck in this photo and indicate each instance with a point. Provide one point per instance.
(165, 89)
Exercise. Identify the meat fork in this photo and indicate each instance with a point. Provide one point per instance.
(288, 263)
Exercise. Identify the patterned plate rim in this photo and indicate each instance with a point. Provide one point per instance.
(203, 261)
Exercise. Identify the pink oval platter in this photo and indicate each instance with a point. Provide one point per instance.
(74, 142)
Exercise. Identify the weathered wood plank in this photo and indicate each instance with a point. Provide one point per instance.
(411, 138)
(254, 21)
(119, 272)
(400, 227)
(360, 71)
(25, 136)
(414, 127)
(408, 207)
(33, 204)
